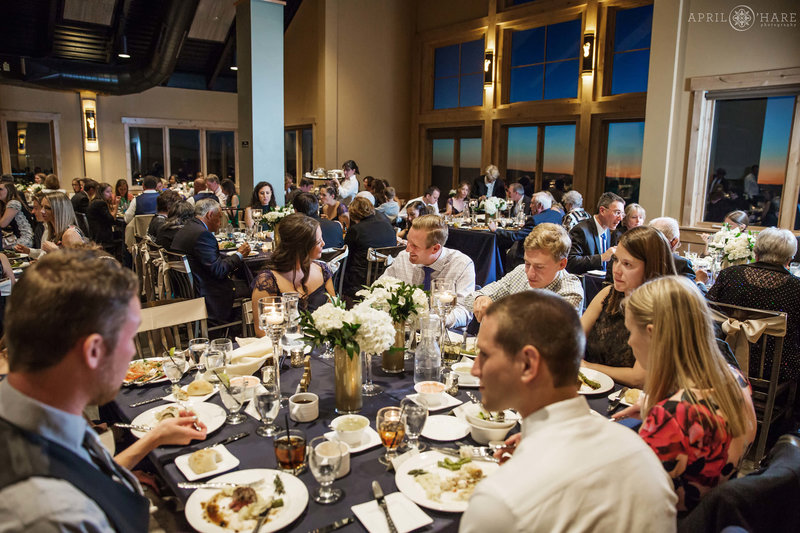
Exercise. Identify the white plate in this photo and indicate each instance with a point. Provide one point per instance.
(369, 439)
(212, 415)
(445, 428)
(613, 396)
(468, 381)
(473, 408)
(406, 515)
(228, 462)
(606, 383)
(193, 399)
(446, 401)
(159, 380)
(295, 500)
(428, 461)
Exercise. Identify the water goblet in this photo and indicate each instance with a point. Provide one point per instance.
(197, 348)
(232, 397)
(369, 388)
(215, 360)
(414, 417)
(174, 366)
(324, 458)
(223, 345)
(391, 430)
(268, 404)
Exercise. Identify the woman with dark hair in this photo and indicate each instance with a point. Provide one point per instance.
(232, 201)
(642, 254)
(15, 215)
(348, 187)
(102, 215)
(122, 197)
(294, 265)
(413, 210)
(333, 209)
(458, 203)
(367, 231)
(263, 198)
(179, 214)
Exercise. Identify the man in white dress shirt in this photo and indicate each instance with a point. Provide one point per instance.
(430, 199)
(426, 259)
(570, 470)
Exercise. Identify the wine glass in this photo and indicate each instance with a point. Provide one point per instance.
(223, 345)
(232, 397)
(414, 417)
(391, 430)
(174, 366)
(324, 459)
(369, 388)
(268, 404)
(197, 348)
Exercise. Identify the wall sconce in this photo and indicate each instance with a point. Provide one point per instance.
(488, 67)
(90, 142)
(22, 136)
(587, 54)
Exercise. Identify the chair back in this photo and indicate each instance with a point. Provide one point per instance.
(83, 224)
(179, 274)
(247, 318)
(378, 259)
(137, 229)
(336, 258)
(164, 322)
(746, 328)
(154, 274)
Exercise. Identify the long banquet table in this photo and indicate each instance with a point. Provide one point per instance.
(257, 452)
(481, 247)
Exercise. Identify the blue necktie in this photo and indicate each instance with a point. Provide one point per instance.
(603, 246)
(426, 283)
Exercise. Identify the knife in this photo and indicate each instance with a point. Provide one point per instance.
(378, 492)
(145, 402)
(477, 453)
(230, 439)
(615, 402)
(143, 429)
(208, 485)
(332, 527)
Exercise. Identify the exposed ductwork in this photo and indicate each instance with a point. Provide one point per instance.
(115, 79)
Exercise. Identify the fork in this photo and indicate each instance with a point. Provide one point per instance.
(471, 396)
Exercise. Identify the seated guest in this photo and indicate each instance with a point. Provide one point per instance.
(210, 269)
(767, 284)
(366, 231)
(379, 191)
(39, 229)
(634, 217)
(145, 203)
(55, 475)
(164, 203)
(81, 199)
(430, 198)
(213, 185)
(642, 254)
(672, 231)
(179, 214)
(263, 198)
(122, 196)
(51, 184)
(307, 203)
(294, 266)
(77, 187)
(389, 206)
(306, 185)
(333, 209)
(735, 220)
(460, 202)
(565, 458)
(232, 202)
(426, 259)
(573, 206)
(62, 227)
(546, 249)
(490, 184)
(15, 215)
(102, 217)
(412, 211)
(698, 414)
(541, 212)
(520, 202)
(594, 239)
(202, 192)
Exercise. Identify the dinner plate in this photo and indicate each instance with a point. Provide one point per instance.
(369, 439)
(606, 383)
(295, 500)
(445, 401)
(613, 396)
(444, 428)
(427, 461)
(228, 462)
(192, 399)
(212, 415)
(162, 379)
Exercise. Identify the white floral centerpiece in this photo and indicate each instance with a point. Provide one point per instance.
(276, 215)
(734, 245)
(492, 205)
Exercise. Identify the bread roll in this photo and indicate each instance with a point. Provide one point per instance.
(199, 387)
(204, 460)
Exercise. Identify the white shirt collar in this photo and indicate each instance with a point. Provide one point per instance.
(553, 414)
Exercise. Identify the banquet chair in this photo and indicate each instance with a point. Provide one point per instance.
(378, 259)
(83, 224)
(764, 501)
(163, 322)
(336, 258)
(746, 328)
(151, 266)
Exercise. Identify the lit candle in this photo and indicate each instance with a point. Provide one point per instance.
(445, 297)
(274, 318)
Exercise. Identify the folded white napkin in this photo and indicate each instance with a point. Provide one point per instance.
(406, 515)
(246, 359)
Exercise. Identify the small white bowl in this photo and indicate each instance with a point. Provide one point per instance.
(463, 369)
(430, 392)
(483, 435)
(350, 436)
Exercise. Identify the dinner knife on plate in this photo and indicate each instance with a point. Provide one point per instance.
(333, 527)
(616, 401)
(378, 492)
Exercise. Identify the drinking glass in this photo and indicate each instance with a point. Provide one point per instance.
(290, 450)
(268, 404)
(391, 430)
(215, 360)
(327, 353)
(174, 367)
(414, 417)
(198, 347)
(232, 397)
(223, 345)
(369, 388)
(324, 458)
(443, 296)
(272, 320)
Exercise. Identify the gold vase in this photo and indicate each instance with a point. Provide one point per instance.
(347, 375)
(393, 360)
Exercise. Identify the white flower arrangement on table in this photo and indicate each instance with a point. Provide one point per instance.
(493, 204)
(276, 215)
(733, 244)
(361, 328)
(401, 300)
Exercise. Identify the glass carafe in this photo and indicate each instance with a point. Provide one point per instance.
(428, 356)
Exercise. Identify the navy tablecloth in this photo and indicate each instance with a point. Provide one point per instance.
(481, 247)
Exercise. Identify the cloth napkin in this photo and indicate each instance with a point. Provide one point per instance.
(246, 359)
(406, 515)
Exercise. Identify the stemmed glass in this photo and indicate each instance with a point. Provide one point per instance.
(414, 417)
(232, 397)
(215, 360)
(257, 214)
(391, 430)
(223, 345)
(443, 296)
(369, 388)
(272, 319)
(198, 347)
(324, 458)
(268, 404)
(174, 366)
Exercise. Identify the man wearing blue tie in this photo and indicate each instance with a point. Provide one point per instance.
(594, 240)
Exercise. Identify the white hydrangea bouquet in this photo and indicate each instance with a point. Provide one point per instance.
(276, 215)
(733, 245)
(362, 328)
(397, 298)
(492, 205)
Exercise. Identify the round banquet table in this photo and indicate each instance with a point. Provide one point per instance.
(257, 452)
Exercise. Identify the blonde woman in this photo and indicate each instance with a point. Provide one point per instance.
(61, 224)
(634, 217)
(697, 410)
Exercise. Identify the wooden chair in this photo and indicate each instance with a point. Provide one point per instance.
(163, 323)
(380, 258)
(746, 327)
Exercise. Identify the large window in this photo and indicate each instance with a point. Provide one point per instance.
(544, 62)
(630, 57)
(184, 153)
(624, 159)
(545, 154)
(298, 143)
(458, 75)
(147, 152)
(30, 147)
(455, 157)
(221, 154)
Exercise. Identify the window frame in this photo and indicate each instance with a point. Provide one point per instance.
(165, 125)
(53, 119)
(429, 62)
(754, 85)
(298, 148)
(605, 47)
(538, 177)
(455, 132)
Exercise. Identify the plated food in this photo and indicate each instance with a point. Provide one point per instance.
(631, 396)
(213, 416)
(143, 371)
(593, 382)
(206, 462)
